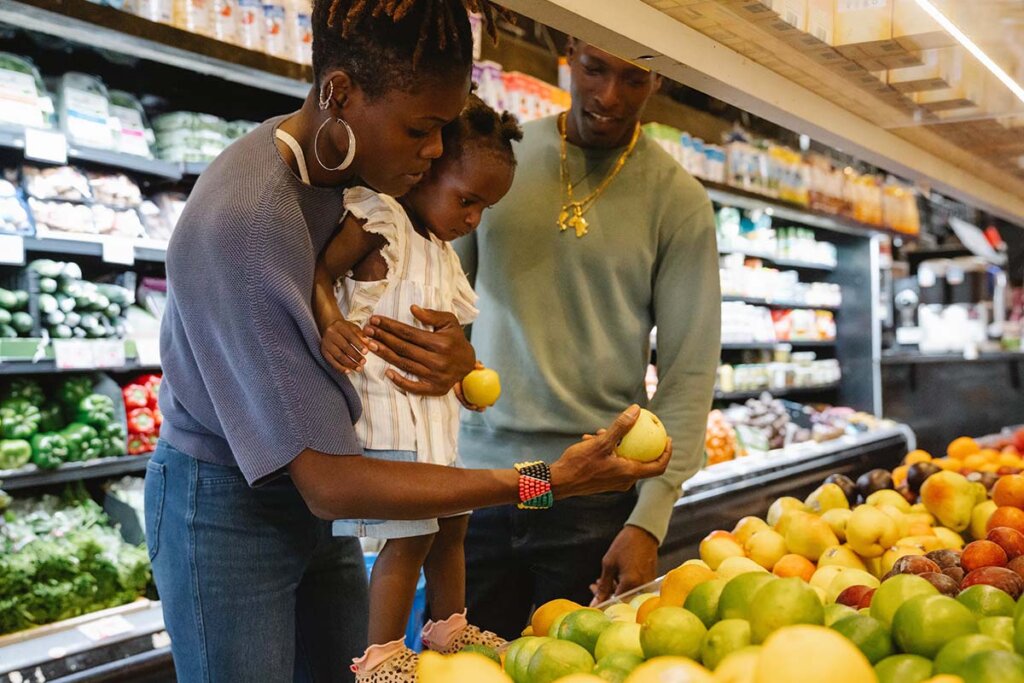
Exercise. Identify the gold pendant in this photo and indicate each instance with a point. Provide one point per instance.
(563, 220)
(578, 222)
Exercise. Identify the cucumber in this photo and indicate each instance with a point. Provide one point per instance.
(48, 285)
(71, 270)
(72, 319)
(101, 302)
(22, 297)
(113, 311)
(65, 303)
(88, 320)
(56, 318)
(61, 332)
(22, 322)
(84, 301)
(117, 294)
(47, 268)
(47, 303)
(79, 333)
(8, 300)
(5, 316)
(8, 332)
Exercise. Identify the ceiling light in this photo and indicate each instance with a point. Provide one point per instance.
(973, 48)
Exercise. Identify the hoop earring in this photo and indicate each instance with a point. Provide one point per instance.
(325, 100)
(347, 161)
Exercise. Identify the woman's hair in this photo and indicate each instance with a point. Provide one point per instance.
(481, 127)
(396, 44)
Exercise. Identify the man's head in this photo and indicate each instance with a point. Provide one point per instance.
(608, 95)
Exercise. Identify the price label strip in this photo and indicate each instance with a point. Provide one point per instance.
(46, 145)
(12, 250)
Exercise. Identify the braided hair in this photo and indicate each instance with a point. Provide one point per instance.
(393, 44)
(481, 127)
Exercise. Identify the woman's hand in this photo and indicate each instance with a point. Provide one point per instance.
(438, 359)
(344, 346)
(591, 465)
(462, 396)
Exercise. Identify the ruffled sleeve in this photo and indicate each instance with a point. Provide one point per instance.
(464, 298)
(385, 217)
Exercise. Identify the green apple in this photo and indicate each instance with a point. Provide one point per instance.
(645, 440)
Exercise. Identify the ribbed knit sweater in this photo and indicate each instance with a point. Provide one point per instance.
(244, 382)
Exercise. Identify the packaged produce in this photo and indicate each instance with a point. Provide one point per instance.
(190, 137)
(56, 182)
(23, 100)
(115, 190)
(160, 214)
(132, 134)
(84, 110)
(14, 217)
(107, 221)
(61, 217)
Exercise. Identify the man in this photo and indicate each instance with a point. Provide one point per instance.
(602, 237)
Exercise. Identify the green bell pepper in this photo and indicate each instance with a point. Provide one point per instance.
(83, 442)
(19, 419)
(96, 410)
(49, 451)
(114, 437)
(26, 389)
(51, 419)
(73, 390)
(14, 453)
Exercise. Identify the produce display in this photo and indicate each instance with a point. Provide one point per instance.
(71, 307)
(60, 558)
(15, 320)
(144, 417)
(904, 576)
(14, 218)
(71, 424)
(184, 136)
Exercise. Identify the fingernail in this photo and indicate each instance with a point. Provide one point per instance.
(373, 346)
(369, 331)
(633, 410)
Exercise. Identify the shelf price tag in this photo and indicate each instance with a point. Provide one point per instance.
(108, 354)
(46, 145)
(73, 354)
(103, 629)
(148, 349)
(12, 250)
(120, 251)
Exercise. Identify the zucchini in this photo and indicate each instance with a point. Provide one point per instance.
(47, 268)
(47, 303)
(5, 316)
(56, 318)
(61, 332)
(8, 300)
(22, 297)
(8, 332)
(22, 322)
(48, 285)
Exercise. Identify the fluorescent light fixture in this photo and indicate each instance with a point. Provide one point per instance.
(973, 48)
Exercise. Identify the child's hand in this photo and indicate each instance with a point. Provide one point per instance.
(344, 346)
(462, 397)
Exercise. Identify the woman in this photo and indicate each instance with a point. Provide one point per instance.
(258, 444)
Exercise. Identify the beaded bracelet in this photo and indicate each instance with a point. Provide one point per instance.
(534, 486)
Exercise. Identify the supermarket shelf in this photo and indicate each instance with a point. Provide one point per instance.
(767, 346)
(777, 393)
(45, 367)
(758, 301)
(780, 262)
(101, 468)
(90, 247)
(110, 29)
(947, 358)
(19, 357)
(72, 650)
(15, 139)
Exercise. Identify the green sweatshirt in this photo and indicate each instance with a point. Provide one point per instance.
(566, 321)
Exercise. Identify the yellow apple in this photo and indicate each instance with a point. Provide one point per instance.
(979, 518)
(781, 506)
(809, 535)
(747, 527)
(827, 497)
(850, 577)
(841, 556)
(870, 532)
(482, 387)
(889, 497)
(950, 539)
(837, 518)
(717, 547)
(646, 439)
(823, 576)
(766, 547)
(732, 567)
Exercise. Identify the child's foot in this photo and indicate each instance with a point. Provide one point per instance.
(470, 635)
(400, 667)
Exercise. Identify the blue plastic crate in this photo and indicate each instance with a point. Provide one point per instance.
(419, 608)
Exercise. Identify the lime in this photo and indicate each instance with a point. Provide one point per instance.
(894, 592)
(784, 602)
(623, 661)
(619, 637)
(954, 653)
(484, 650)
(703, 601)
(723, 639)
(1000, 628)
(738, 667)
(557, 658)
(987, 601)
(903, 669)
(992, 667)
(584, 627)
(519, 653)
(672, 631)
(868, 634)
(734, 603)
(835, 612)
(925, 623)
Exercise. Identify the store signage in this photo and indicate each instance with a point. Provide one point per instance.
(88, 354)
(12, 250)
(120, 251)
(46, 145)
(103, 629)
(108, 353)
(148, 350)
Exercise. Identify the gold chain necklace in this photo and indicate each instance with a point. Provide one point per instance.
(571, 215)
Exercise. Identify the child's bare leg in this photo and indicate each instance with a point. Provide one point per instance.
(445, 569)
(393, 586)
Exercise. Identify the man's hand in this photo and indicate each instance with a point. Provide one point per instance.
(438, 359)
(631, 561)
(344, 346)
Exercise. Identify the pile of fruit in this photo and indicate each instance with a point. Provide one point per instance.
(72, 424)
(144, 417)
(906, 576)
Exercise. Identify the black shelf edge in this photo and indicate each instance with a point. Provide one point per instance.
(950, 358)
(15, 139)
(777, 393)
(761, 346)
(757, 301)
(49, 245)
(780, 262)
(75, 471)
(49, 367)
(92, 24)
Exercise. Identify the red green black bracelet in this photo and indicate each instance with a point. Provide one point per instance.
(534, 486)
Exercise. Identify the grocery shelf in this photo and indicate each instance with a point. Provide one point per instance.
(759, 301)
(100, 468)
(110, 29)
(30, 356)
(145, 250)
(48, 367)
(791, 391)
(780, 262)
(15, 139)
(767, 346)
(938, 358)
(77, 649)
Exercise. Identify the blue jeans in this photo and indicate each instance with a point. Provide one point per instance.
(253, 586)
(386, 528)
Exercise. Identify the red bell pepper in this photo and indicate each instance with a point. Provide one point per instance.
(137, 444)
(135, 396)
(151, 382)
(141, 421)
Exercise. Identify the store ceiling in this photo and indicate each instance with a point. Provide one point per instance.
(923, 86)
